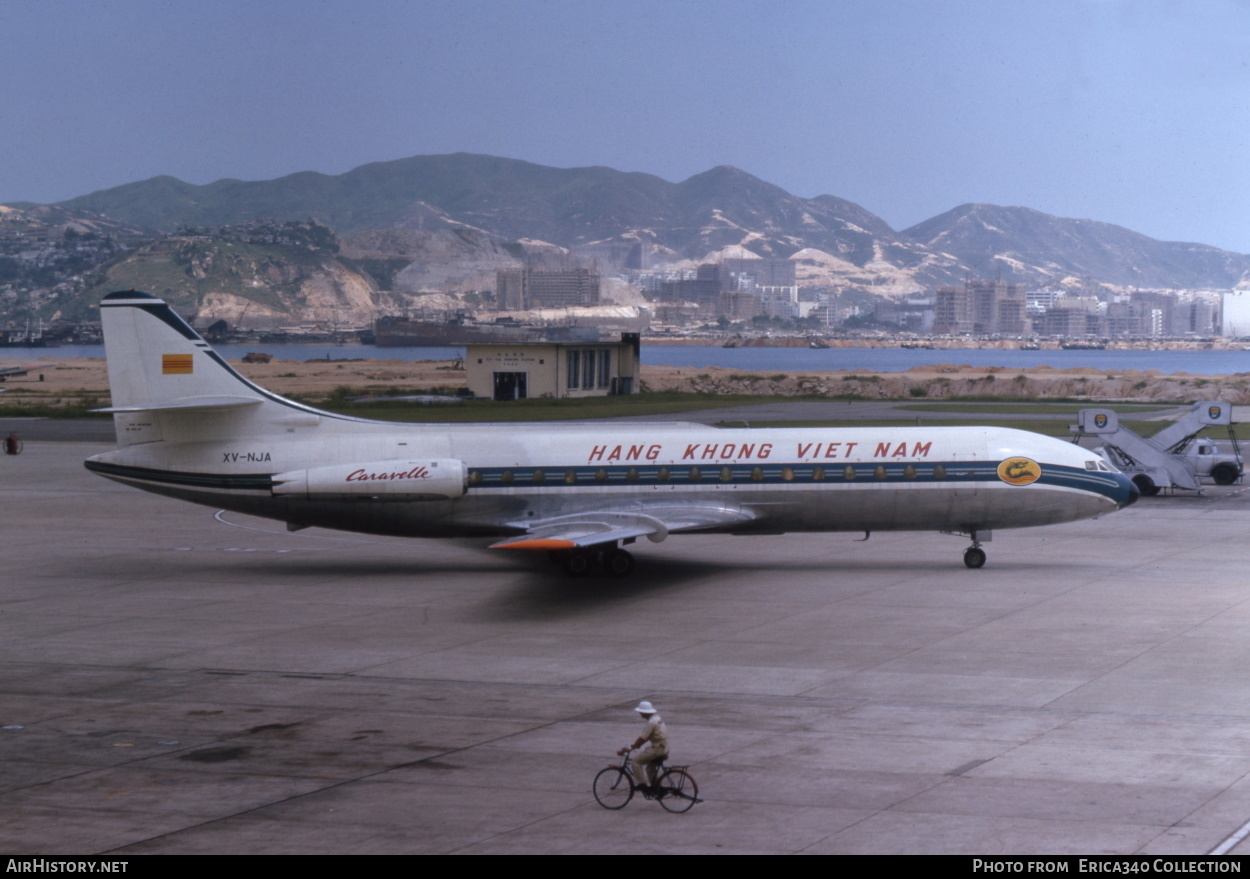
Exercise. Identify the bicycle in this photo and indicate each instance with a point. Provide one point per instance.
(675, 788)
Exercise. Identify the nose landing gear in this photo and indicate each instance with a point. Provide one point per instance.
(974, 556)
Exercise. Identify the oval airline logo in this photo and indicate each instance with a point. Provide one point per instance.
(1100, 421)
(1019, 471)
(1213, 412)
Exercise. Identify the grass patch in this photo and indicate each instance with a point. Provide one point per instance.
(1057, 427)
(79, 407)
(1034, 407)
(664, 403)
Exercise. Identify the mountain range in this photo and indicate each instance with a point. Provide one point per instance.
(835, 241)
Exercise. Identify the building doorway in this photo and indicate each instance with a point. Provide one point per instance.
(510, 385)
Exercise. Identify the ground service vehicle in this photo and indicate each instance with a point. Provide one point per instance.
(1175, 457)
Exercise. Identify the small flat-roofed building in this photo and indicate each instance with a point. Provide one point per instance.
(520, 370)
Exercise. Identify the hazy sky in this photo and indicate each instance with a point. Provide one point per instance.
(1134, 112)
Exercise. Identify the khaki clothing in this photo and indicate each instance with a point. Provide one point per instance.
(654, 746)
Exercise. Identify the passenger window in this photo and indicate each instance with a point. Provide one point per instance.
(695, 474)
(601, 475)
(848, 472)
(631, 475)
(909, 472)
(726, 474)
(539, 477)
(663, 475)
(506, 477)
(818, 475)
(570, 477)
(475, 477)
(939, 472)
(878, 472)
(757, 474)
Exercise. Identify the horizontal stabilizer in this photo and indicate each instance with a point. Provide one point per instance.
(187, 403)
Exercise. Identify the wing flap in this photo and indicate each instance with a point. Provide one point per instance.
(608, 526)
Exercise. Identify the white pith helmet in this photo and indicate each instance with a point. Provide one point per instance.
(645, 707)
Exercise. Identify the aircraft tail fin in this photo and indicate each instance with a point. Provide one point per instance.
(168, 383)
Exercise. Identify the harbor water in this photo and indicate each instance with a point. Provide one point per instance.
(767, 360)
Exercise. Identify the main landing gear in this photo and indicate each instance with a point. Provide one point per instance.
(609, 561)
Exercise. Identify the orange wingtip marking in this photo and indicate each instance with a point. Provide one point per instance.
(539, 543)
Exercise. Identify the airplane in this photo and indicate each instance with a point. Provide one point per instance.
(190, 427)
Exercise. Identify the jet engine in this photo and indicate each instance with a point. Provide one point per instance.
(437, 479)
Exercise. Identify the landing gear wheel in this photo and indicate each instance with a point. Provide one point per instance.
(974, 557)
(678, 790)
(578, 564)
(1145, 485)
(618, 563)
(612, 788)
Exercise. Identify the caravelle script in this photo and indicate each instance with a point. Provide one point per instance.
(362, 475)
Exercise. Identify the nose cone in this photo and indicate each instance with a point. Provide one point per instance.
(1130, 492)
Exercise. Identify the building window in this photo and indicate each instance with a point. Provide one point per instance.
(605, 367)
(575, 370)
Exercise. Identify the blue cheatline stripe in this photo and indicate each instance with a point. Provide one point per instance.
(247, 481)
(795, 475)
(711, 474)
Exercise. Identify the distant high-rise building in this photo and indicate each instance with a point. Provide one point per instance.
(762, 272)
(1236, 314)
(981, 308)
(520, 289)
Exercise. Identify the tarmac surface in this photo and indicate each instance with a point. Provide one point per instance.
(172, 681)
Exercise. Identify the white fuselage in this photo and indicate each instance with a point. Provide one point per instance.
(759, 480)
(189, 426)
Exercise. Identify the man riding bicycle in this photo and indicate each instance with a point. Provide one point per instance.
(652, 746)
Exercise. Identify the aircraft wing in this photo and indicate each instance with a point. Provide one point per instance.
(608, 526)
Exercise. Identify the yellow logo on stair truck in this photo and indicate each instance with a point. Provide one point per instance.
(1019, 471)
